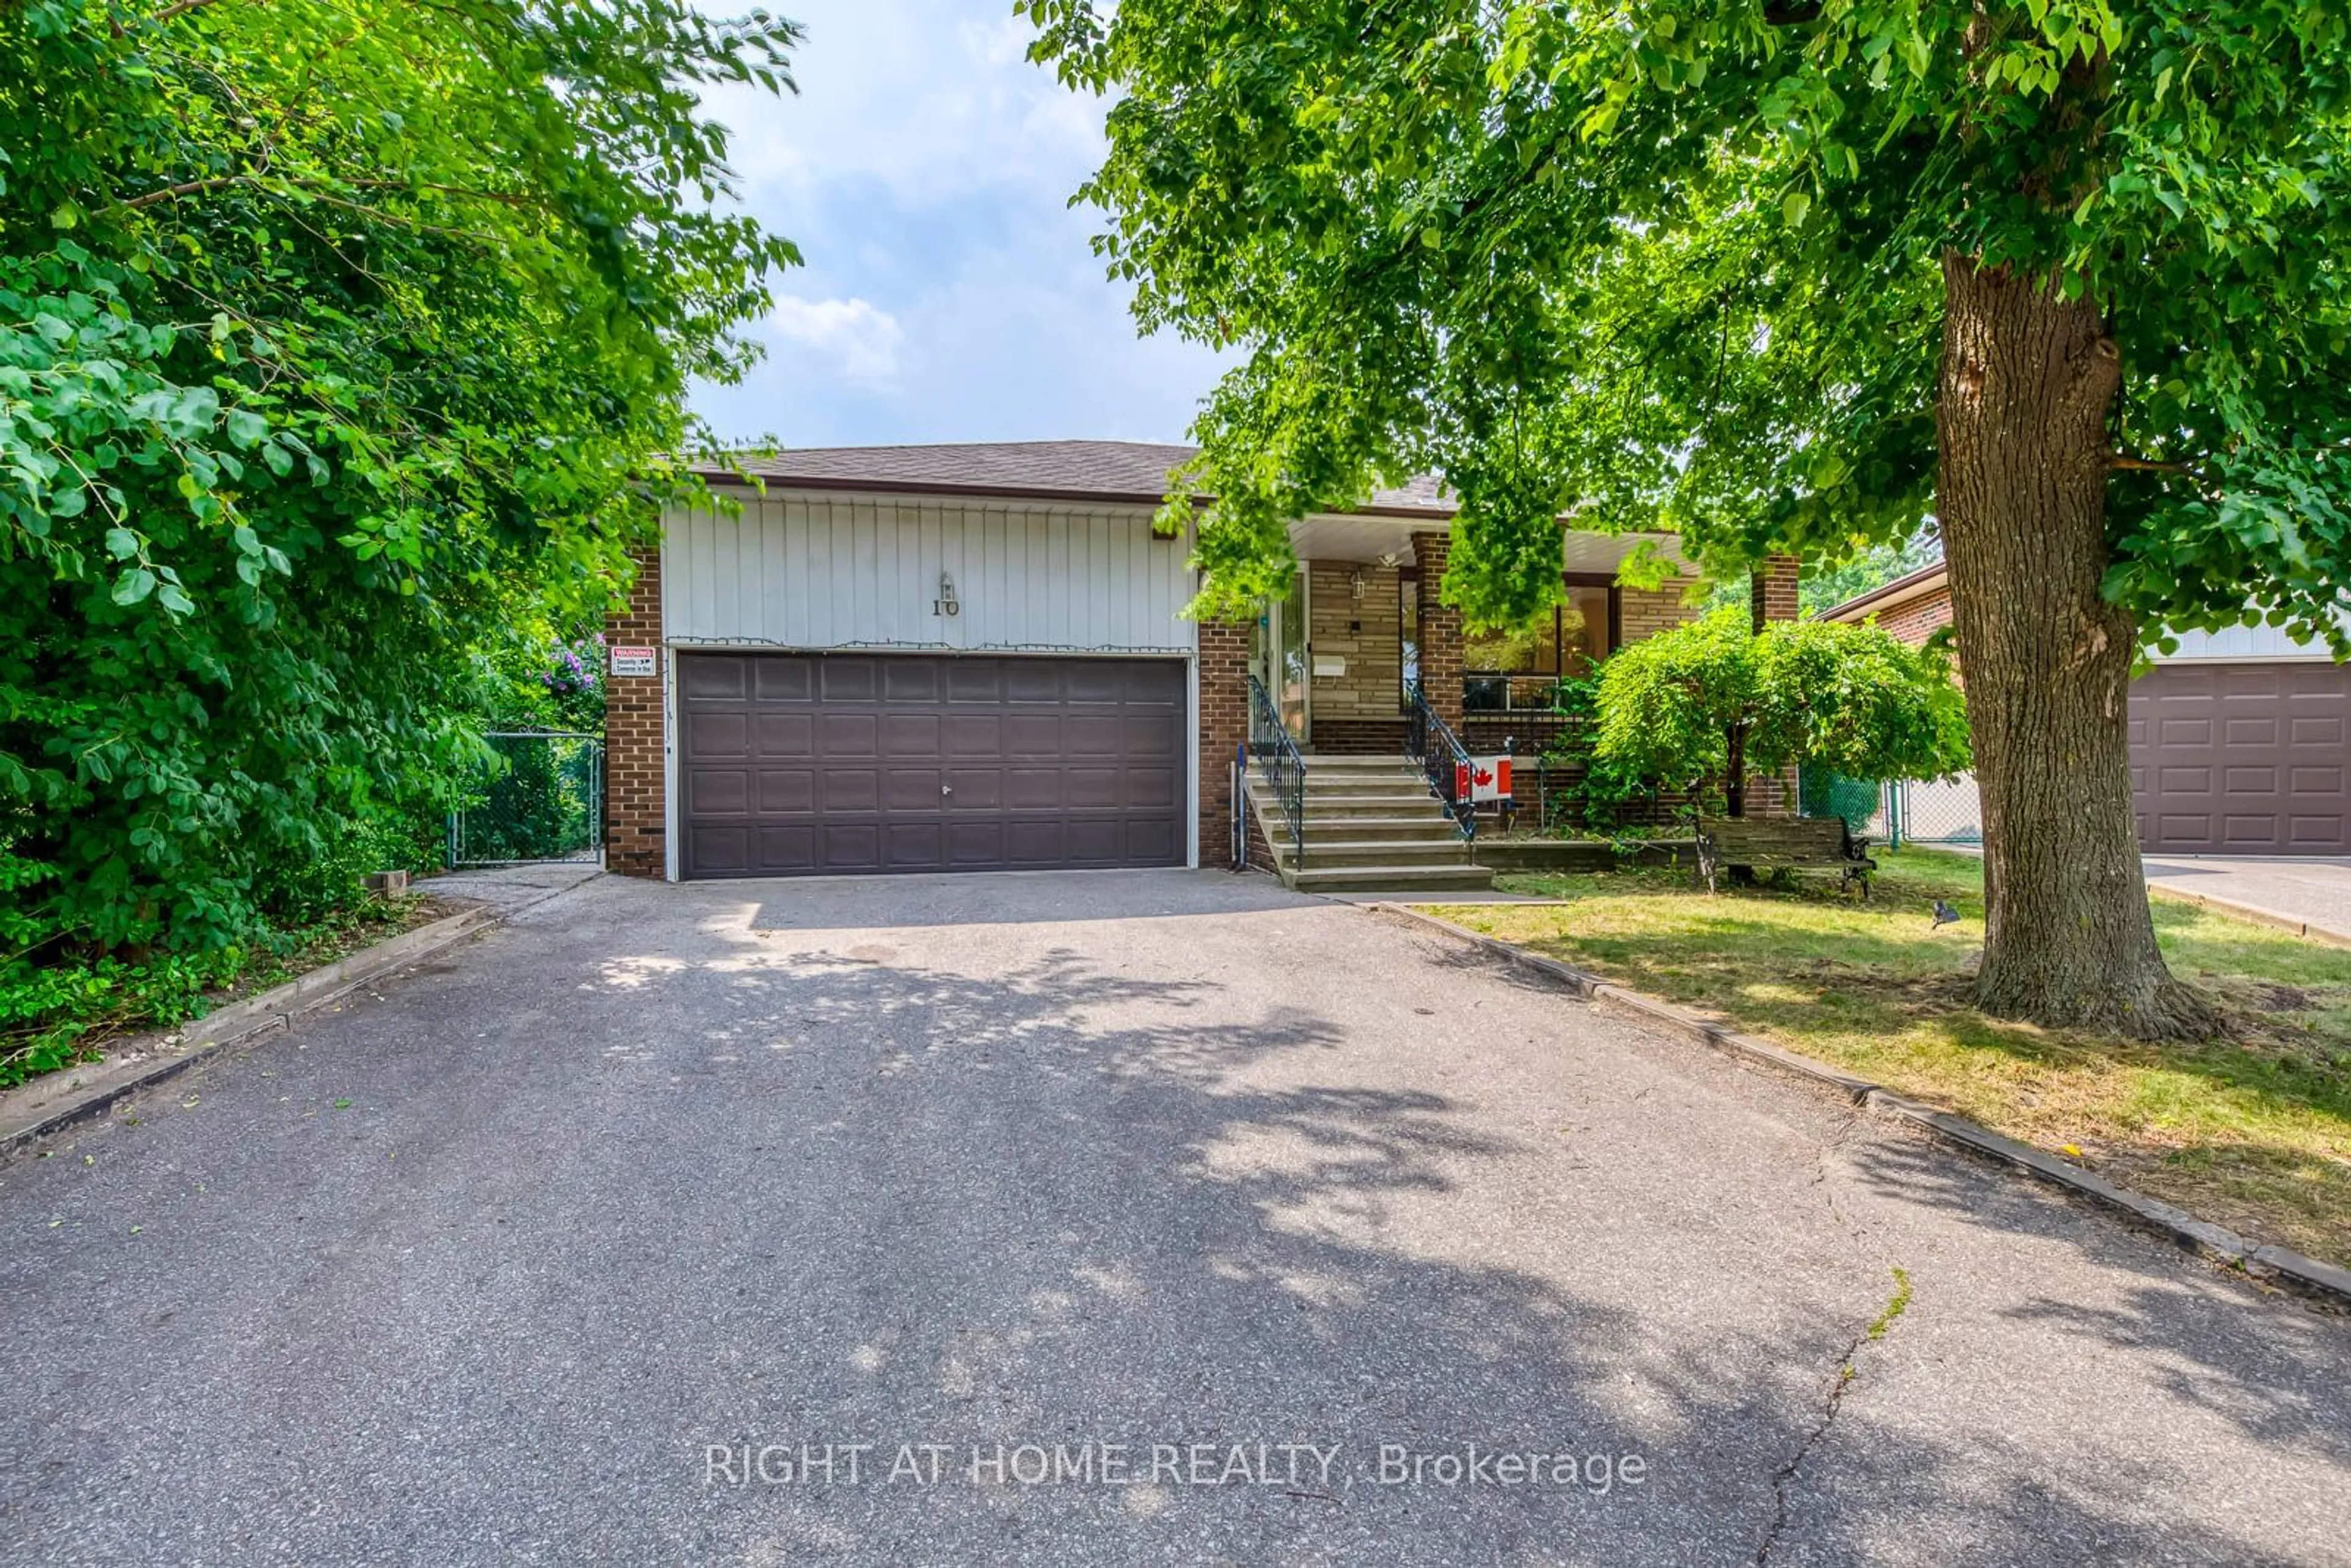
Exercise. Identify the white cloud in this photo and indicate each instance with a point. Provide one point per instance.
(860, 340)
(950, 294)
(916, 95)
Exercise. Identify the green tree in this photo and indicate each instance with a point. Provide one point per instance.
(1789, 275)
(340, 340)
(1715, 700)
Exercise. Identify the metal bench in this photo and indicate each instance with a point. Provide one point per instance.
(1783, 843)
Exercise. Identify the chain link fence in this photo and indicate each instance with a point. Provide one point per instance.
(542, 800)
(1820, 793)
(1938, 812)
(1900, 812)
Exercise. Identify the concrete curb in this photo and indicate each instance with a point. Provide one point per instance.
(2276, 1264)
(2258, 913)
(149, 1059)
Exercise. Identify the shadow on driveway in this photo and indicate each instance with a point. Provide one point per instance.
(484, 1271)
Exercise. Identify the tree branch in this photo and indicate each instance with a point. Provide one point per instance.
(321, 191)
(176, 10)
(186, 188)
(2143, 464)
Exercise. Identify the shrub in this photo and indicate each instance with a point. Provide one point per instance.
(1594, 791)
(1714, 699)
(341, 350)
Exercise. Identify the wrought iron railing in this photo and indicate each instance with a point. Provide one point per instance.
(1284, 764)
(1525, 733)
(1442, 759)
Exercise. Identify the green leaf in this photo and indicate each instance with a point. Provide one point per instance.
(197, 758)
(245, 428)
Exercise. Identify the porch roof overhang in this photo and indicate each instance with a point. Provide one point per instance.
(1388, 540)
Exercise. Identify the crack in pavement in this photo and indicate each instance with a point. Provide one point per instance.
(1846, 1375)
(1833, 1144)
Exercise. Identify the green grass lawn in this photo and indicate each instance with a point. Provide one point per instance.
(2253, 1129)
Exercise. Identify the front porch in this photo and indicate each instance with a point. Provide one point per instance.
(1364, 625)
(1360, 682)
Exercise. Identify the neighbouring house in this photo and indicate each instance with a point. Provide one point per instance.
(975, 657)
(2240, 740)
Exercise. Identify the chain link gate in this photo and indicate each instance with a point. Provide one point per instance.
(546, 803)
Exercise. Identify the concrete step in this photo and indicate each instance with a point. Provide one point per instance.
(1391, 879)
(1391, 803)
(1360, 789)
(1326, 854)
(1351, 767)
(1339, 817)
(1371, 789)
(1388, 774)
(1432, 827)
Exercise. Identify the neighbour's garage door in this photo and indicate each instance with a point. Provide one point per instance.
(795, 764)
(2242, 759)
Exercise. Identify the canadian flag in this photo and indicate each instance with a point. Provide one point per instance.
(1482, 778)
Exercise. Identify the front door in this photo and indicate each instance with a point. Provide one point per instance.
(1278, 657)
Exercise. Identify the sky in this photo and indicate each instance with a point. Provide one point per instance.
(924, 170)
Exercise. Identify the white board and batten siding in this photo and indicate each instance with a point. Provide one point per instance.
(823, 570)
(819, 571)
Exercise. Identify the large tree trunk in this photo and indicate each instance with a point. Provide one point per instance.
(2028, 379)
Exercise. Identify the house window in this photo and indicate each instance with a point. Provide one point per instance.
(1587, 630)
(1517, 669)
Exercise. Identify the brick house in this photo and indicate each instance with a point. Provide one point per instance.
(974, 657)
(2240, 740)
(1913, 607)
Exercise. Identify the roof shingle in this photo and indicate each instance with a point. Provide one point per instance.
(1050, 470)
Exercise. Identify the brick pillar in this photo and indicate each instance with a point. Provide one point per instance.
(635, 780)
(1775, 588)
(1440, 631)
(1224, 725)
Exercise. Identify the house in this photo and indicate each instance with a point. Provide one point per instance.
(2240, 740)
(975, 657)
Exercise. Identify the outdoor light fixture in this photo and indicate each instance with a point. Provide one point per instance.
(945, 604)
(1356, 583)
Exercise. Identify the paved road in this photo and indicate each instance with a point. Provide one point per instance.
(481, 1271)
(2313, 889)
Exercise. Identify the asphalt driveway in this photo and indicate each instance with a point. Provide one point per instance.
(1150, 1218)
(2314, 890)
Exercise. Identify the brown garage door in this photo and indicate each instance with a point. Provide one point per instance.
(2242, 759)
(795, 764)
